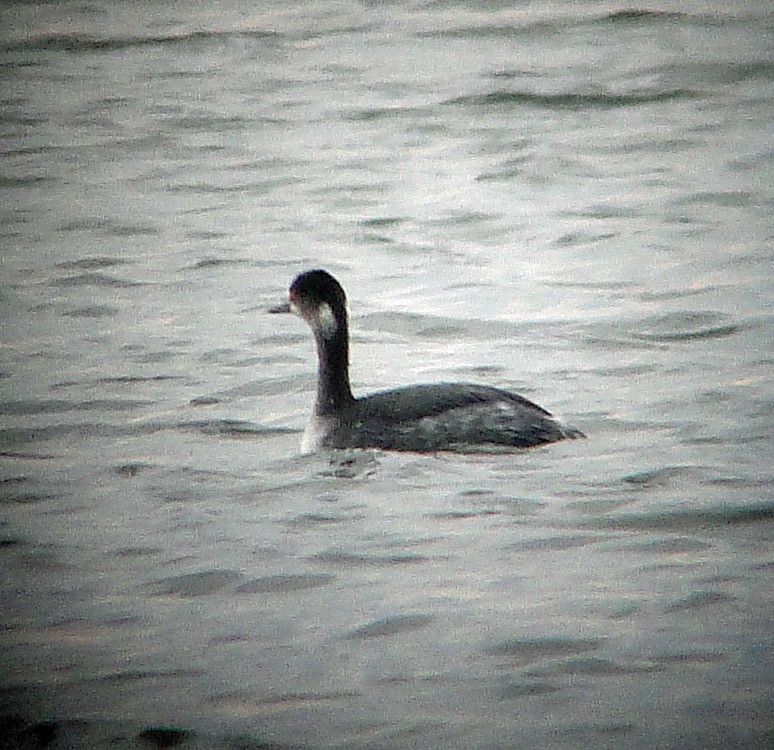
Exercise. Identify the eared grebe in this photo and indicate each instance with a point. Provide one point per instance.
(437, 417)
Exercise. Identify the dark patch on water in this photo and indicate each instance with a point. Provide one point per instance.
(136, 675)
(281, 699)
(508, 505)
(621, 609)
(56, 406)
(462, 515)
(729, 73)
(234, 428)
(391, 625)
(681, 658)
(637, 15)
(112, 228)
(310, 520)
(7, 542)
(164, 737)
(283, 584)
(606, 211)
(203, 583)
(661, 477)
(24, 456)
(354, 560)
(592, 666)
(131, 469)
(21, 182)
(681, 520)
(130, 552)
(40, 558)
(684, 326)
(699, 600)
(524, 651)
(18, 732)
(549, 28)
(554, 544)
(612, 735)
(92, 311)
(382, 221)
(668, 546)
(131, 379)
(208, 123)
(495, 31)
(649, 296)
(25, 497)
(86, 43)
(723, 199)
(14, 437)
(574, 101)
(94, 279)
(208, 263)
(11, 481)
(527, 689)
(21, 490)
(580, 238)
(204, 401)
(378, 113)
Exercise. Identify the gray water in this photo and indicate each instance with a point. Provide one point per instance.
(569, 200)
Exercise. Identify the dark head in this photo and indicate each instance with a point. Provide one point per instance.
(319, 299)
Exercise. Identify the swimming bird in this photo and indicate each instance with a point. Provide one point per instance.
(422, 418)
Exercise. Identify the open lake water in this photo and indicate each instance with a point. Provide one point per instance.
(569, 200)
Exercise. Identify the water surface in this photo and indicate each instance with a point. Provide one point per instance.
(570, 202)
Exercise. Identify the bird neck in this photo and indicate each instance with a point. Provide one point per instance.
(333, 389)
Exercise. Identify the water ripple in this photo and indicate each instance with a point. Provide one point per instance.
(697, 518)
(85, 43)
(570, 100)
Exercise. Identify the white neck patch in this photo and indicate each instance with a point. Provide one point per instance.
(328, 323)
(314, 434)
